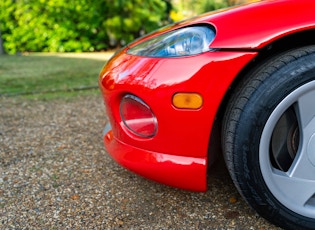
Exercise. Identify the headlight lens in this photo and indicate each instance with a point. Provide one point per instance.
(182, 42)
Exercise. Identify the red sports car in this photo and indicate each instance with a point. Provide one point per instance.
(240, 82)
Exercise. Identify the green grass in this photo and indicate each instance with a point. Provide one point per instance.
(45, 73)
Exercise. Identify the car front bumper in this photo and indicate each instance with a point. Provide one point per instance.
(178, 154)
(178, 171)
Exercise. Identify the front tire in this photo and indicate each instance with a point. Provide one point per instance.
(268, 139)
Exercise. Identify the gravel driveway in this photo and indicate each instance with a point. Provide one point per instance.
(55, 174)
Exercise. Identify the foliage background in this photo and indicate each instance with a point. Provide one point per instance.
(87, 25)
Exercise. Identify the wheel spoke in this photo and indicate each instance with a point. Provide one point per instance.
(304, 165)
(302, 168)
(305, 109)
(296, 190)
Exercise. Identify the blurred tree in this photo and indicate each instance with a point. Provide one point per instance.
(210, 5)
(129, 19)
(76, 25)
(189, 8)
(1, 44)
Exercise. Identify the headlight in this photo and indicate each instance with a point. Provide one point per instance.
(182, 42)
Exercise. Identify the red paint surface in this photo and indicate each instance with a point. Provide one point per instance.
(177, 155)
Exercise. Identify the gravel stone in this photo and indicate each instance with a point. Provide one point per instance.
(56, 174)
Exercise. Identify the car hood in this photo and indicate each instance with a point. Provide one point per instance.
(251, 26)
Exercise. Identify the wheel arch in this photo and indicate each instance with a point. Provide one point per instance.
(280, 45)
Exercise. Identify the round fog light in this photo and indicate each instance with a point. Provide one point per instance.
(138, 117)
